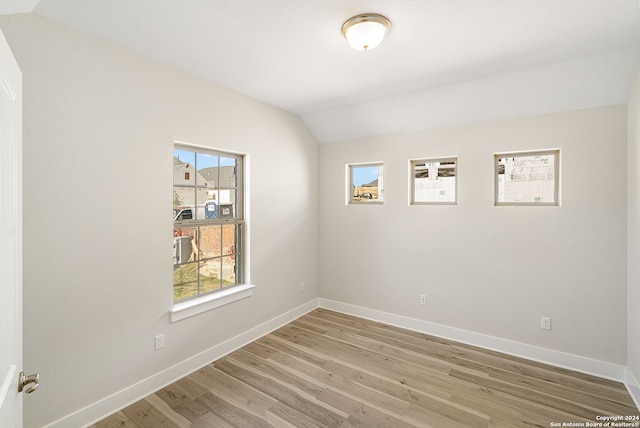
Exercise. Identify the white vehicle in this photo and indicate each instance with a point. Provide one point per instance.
(186, 213)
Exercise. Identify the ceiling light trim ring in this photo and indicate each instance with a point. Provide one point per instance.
(364, 18)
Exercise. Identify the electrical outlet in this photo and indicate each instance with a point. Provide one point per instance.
(301, 286)
(423, 299)
(545, 323)
(159, 341)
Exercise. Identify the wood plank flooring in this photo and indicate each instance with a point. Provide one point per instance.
(328, 369)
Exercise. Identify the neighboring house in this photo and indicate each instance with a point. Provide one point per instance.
(223, 179)
(214, 184)
(185, 174)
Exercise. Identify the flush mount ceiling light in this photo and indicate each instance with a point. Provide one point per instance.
(366, 31)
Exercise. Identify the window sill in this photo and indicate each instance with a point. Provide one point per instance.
(196, 306)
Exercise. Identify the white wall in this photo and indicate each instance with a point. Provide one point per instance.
(485, 269)
(589, 82)
(633, 236)
(99, 126)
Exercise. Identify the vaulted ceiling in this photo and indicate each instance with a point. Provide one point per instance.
(444, 61)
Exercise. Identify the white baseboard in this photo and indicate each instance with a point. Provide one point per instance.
(633, 386)
(129, 395)
(556, 358)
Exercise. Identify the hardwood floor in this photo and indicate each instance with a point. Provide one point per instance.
(328, 369)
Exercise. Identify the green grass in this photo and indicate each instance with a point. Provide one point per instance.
(185, 282)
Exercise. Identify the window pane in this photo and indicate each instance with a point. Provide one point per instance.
(183, 197)
(207, 170)
(205, 203)
(228, 270)
(434, 181)
(229, 239)
(210, 209)
(227, 210)
(227, 173)
(183, 239)
(366, 182)
(183, 157)
(210, 244)
(528, 178)
(185, 281)
(210, 275)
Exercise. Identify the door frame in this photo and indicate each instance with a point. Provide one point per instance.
(11, 410)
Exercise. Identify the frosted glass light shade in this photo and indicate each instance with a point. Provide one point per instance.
(365, 32)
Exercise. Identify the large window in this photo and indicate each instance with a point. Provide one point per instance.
(527, 178)
(433, 181)
(208, 221)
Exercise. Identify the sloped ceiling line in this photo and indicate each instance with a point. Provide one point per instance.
(443, 63)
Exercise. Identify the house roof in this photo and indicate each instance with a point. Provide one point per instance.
(227, 176)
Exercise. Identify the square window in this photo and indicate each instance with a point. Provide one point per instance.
(433, 181)
(365, 183)
(527, 178)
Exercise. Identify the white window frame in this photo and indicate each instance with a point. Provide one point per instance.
(412, 180)
(206, 301)
(350, 199)
(529, 153)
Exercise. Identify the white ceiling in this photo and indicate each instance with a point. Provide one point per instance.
(291, 53)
